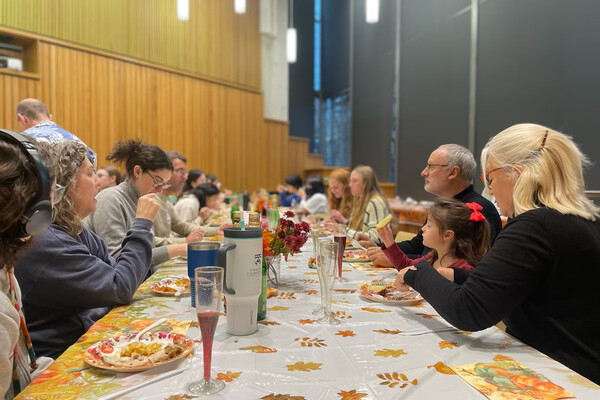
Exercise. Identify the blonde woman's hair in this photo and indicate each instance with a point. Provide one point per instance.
(371, 189)
(343, 204)
(550, 165)
(68, 156)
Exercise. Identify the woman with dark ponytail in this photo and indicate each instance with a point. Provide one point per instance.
(457, 233)
(148, 170)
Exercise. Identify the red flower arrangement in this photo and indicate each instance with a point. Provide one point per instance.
(287, 238)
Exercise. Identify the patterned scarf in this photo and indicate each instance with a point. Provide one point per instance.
(15, 375)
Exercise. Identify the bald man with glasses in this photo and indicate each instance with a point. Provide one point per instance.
(449, 172)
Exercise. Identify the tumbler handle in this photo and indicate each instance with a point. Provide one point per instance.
(222, 261)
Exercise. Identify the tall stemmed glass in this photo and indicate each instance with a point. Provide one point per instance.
(320, 312)
(327, 263)
(339, 236)
(209, 294)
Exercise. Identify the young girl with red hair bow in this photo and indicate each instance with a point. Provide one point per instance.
(457, 234)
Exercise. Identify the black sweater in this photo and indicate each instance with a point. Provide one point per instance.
(415, 248)
(541, 278)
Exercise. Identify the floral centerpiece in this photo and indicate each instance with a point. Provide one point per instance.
(287, 238)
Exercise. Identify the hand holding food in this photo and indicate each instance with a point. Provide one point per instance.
(364, 240)
(196, 236)
(379, 259)
(386, 235)
(147, 207)
(400, 285)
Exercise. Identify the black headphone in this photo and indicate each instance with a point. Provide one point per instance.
(39, 212)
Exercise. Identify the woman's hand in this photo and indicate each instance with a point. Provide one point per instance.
(147, 207)
(337, 216)
(400, 284)
(364, 240)
(204, 213)
(281, 188)
(378, 257)
(386, 236)
(196, 236)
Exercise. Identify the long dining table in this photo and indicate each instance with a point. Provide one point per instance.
(378, 351)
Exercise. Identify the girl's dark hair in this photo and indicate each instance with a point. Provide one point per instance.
(211, 178)
(19, 185)
(204, 191)
(314, 185)
(471, 238)
(134, 152)
(294, 180)
(193, 175)
(113, 171)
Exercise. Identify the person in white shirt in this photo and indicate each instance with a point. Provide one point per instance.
(316, 200)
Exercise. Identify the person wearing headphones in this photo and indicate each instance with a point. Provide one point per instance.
(26, 193)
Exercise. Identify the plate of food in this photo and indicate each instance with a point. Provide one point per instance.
(385, 292)
(170, 286)
(355, 256)
(213, 239)
(125, 353)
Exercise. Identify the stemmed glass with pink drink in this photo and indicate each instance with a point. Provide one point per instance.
(209, 294)
(339, 236)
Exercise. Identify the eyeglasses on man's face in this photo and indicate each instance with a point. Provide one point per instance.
(487, 175)
(159, 183)
(430, 165)
(101, 175)
(179, 171)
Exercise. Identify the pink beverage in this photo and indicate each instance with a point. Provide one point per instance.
(208, 324)
(341, 240)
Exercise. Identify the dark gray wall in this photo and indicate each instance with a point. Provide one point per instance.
(301, 74)
(539, 61)
(434, 85)
(372, 88)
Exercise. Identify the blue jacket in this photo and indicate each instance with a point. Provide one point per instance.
(285, 199)
(68, 283)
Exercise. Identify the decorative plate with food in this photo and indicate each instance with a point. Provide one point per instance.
(355, 256)
(213, 239)
(170, 286)
(385, 292)
(126, 354)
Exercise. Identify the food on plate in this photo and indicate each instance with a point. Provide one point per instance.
(355, 255)
(171, 285)
(386, 220)
(212, 239)
(386, 291)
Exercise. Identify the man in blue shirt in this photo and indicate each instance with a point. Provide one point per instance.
(36, 121)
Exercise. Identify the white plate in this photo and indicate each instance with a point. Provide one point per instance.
(380, 299)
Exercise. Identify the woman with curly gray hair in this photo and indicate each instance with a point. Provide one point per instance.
(68, 278)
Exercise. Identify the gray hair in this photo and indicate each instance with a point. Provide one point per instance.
(173, 154)
(461, 157)
(33, 109)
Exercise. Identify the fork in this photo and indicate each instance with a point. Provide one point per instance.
(146, 329)
(358, 245)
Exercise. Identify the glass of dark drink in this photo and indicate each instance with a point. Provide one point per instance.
(209, 294)
(339, 236)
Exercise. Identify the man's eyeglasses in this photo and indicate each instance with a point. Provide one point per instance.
(157, 183)
(429, 166)
(102, 175)
(487, 175)
(180, 171)
(58, 192)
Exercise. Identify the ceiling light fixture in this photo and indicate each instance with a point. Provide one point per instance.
(372, 11)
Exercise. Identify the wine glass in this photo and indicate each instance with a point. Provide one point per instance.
(209, 294)
(327, 263)
(320, 312)
(339, 236)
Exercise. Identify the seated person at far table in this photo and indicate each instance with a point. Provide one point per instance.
(68, 278)
(369, 206)
(339, 196)
(292, 193)
(457, 234)
(449, 172)
(196, 205)
(316, 201)
(168, 221)
(541, 275)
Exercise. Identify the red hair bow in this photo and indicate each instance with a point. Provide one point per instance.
(475, 215)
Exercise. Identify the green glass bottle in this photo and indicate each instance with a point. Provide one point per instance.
(262, 299)
(234, 208)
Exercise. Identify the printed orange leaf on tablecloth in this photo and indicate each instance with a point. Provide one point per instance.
(259, 349)
(307, 321)
(310, 273)
(374, 310)
(274, 396)
(415, 304)
(342, 315)
(389, 353)
(228, 377)
(344, 290)
(309, 281)
(268, 323)
(278, 308)
(442, 368)
(393, 379)
(352, 395)
(305, 367)
(371, 274)
(287, 295)
(292, 267)
(308, 342)
(447, 345)
(500, 357)
(387, 331)
(461, 332)
(180, 397)
(345, 333)
(428, 316)
(310, 292)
